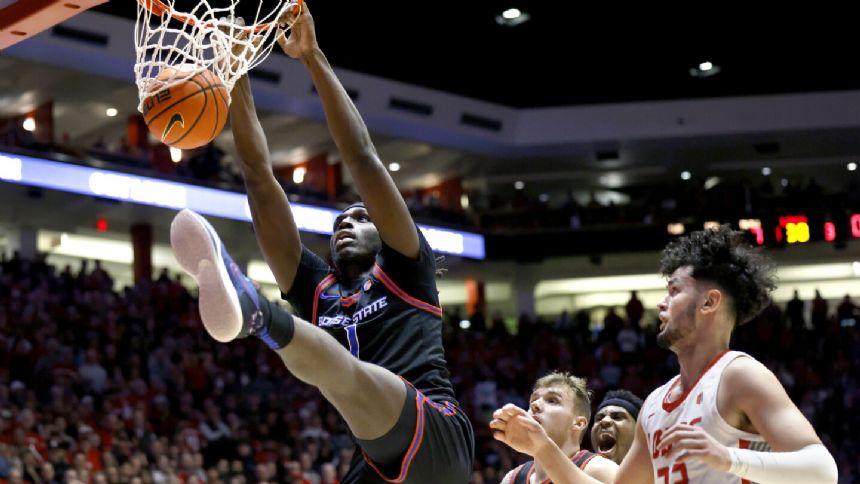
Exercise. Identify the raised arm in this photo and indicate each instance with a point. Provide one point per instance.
(384, 203)
(274, 225)
(636, 467)
(520, 431)
(798, 455)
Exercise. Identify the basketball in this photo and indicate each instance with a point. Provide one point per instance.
(188, 114)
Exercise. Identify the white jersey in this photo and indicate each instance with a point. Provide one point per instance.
(698, 406)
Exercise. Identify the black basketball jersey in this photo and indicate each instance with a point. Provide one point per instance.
(524, 472)
(392, 318)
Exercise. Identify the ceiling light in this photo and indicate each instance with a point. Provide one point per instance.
(685, 175)
(675, 229)
(111, 112)
(519, 185)
(543, 197)
(765, 171)
(511, 13)
(29, 124)
(511, 17)
(394, 166)
(464, 201)
(705, 69)
(749, 223)
(784, 182)
(611, 180)
(176, 155)
(299, 174)
(852, 166)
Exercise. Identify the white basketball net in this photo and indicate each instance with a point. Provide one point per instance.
(203, 38)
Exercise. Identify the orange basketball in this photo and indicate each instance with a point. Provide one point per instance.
(190, 113)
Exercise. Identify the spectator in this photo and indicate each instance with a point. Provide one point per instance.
(794, 312)
(634, 309)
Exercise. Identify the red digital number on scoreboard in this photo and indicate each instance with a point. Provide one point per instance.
(829, 231)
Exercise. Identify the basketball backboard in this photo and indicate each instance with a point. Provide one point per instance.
(21, 19)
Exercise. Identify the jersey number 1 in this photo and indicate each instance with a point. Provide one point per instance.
(352, 336)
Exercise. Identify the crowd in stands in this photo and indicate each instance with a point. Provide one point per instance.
(105, 386)
(685, 201)
(503, 210)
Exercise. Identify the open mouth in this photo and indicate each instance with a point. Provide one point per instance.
(344, 234)
(605, 442)
(343, 238)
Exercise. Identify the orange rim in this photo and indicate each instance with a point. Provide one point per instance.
(157, 7)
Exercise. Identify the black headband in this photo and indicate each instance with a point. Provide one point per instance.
(620, 402)
(354, 205)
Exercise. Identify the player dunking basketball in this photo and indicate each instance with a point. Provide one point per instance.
(725, 418)
(370, 333)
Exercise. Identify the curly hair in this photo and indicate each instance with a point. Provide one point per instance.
(724, 257)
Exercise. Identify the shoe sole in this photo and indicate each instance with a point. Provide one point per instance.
(197, 248)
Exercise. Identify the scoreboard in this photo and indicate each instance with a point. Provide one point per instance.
(793, 229)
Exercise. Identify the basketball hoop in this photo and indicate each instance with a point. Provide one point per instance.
(205, 38)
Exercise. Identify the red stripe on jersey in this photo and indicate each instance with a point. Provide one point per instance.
(417, 437)
(671, 406)
(350, 300)
(383, 277)
(321, 286)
